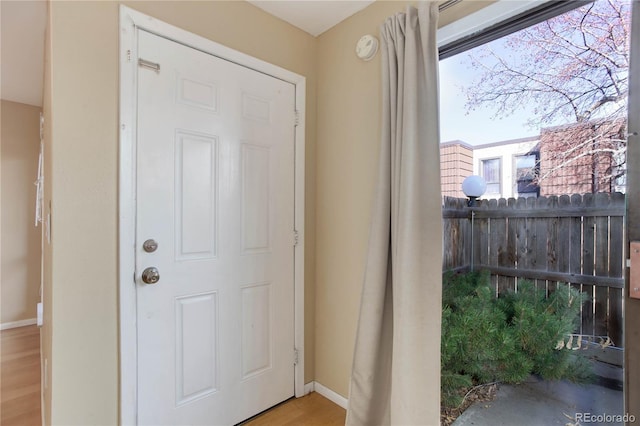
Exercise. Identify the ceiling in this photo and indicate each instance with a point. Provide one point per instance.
(312, 16)
(22, 25)
(23, 32)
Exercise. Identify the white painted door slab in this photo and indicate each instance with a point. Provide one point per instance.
(215, 190)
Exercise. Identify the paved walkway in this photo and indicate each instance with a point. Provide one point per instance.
(542, 403)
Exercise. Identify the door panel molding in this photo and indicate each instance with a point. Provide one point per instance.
(130, 22)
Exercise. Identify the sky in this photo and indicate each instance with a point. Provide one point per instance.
(479, 126)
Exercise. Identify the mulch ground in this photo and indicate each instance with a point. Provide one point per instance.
(483, 393)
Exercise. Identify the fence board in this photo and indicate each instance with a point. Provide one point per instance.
(547, 212)
(496, 240)
(616, 269)
(588, 265)
(552, 244)
(577, 240)
(481, 239)
(601, 257)
(531, 234)
(509, 258)
(575, 249)
(539, 247)
(450, 242)
(522, 234)
(563, 236)
(532, 274)
(466, 232)
(504, 283)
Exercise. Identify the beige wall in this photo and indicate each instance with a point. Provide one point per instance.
(83, 274)
(20, 289)
(349, 94)
(81, 108)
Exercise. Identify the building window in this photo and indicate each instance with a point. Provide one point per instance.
(491, 172)
(527, 167)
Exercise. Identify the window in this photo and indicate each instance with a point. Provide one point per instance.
(491, 171)
(535, 83)
(526, 172)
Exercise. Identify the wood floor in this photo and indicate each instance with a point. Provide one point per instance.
(310, 410)
(20, 389)
(20, 376)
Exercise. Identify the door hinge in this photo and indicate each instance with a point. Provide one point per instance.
(296, 237)
(296, 118)
(148, 64)
(129, 55)
(296, 356)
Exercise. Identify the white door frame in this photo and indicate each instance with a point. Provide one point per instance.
(130, 21)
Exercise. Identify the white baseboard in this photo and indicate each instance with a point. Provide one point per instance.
(330, 395)
(16, 324)
(309, 387)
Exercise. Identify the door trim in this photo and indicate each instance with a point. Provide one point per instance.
(130, 21)
(632, 305)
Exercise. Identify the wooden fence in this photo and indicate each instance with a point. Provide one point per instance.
(576, 239)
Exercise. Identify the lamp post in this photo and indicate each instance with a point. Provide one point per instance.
(473, 187)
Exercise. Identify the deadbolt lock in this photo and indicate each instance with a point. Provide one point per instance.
(150, 246)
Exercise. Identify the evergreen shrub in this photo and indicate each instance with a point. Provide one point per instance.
(506, 339)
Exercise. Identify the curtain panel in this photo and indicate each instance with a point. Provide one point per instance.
(396, 368)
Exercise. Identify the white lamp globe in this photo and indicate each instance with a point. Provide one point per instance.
(474, 186)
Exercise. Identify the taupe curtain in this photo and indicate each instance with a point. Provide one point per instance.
(396, 369)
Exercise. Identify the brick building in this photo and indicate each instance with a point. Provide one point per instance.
(572, 159)
(582, 158)
(456, 163)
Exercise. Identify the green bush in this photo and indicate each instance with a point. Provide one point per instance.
(487, 339)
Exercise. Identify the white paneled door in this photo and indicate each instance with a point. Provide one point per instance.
(215, 218)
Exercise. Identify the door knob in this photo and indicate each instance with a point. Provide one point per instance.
(151, 275)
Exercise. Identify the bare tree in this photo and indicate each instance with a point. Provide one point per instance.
(572, 69)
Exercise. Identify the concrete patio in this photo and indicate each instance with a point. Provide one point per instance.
(543, 403)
